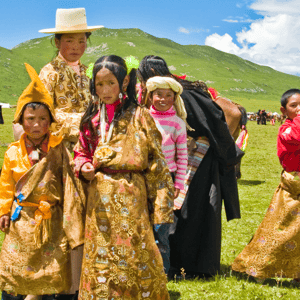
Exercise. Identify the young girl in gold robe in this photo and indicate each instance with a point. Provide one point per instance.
(41, 206)
(130, 189)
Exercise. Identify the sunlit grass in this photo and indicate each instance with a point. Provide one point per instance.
(260, 176)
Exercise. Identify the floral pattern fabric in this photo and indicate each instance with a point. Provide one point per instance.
(121, 259)
(274, 249)
(35, 259)
(71, 95)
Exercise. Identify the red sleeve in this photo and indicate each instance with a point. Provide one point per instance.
(288, 145)
(85, 148)
(290, 131)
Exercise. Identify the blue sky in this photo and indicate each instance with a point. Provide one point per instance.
(263, 31)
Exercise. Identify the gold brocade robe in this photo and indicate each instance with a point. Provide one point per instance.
(71, 96)
(121, 259)
(36, 259)
(274, 250)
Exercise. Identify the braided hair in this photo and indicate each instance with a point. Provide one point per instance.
(117, 66)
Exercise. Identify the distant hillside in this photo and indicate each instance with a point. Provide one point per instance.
(232, 76)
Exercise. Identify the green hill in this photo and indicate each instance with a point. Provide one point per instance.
(252, 85)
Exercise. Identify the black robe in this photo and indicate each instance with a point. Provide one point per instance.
(1, 117)
(195, 237)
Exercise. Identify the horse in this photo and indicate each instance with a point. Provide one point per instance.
(236, 117)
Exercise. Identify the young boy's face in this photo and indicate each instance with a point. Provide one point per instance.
(71, 46)
(292, 107)
(36, 122)
(163, 99)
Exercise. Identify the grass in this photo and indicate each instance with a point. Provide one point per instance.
(260, 176)
(231, 75)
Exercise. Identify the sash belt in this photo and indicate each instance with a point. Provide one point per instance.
(111, 171)
(42, 212)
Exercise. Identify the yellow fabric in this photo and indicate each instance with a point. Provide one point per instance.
(35, 259)
(35, 92)
(16, 164)
(159, 82)
(43, 209)
(274, 249)
(71, 96)
(121, 259)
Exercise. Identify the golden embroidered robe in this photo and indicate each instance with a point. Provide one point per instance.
(35, 259)
(71, 96)
(274, 248)
(121, 259)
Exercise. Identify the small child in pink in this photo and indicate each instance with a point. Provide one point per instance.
(169, 114)
(164, 95)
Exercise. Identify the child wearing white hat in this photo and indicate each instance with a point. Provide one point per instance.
(65, 76)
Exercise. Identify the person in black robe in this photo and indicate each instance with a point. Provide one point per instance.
(195, 236)
(1, 117)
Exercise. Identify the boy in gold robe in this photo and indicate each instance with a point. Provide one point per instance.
(41, 203)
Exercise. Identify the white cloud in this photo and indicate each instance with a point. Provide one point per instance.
(230, 21)
(188, 31)
(237, 20)
(225, 41)
(275, 7)
(272, 40)
(183, 30)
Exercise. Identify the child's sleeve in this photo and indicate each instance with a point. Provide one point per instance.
(49, 78)
(7, 186)
(84, 151)
(181, 157)
(67, 125)
(291, 134)
(159, 184)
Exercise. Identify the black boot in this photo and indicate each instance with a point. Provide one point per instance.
(6, 296)
(48, 297)
(66, 297)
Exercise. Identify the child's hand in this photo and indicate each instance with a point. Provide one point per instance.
(4, 222)
(88, 171)
(176, 193)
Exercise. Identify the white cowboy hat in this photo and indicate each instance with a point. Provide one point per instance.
(72, 20)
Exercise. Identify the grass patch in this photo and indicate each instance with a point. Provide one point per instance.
(260, 177)
(235, 78)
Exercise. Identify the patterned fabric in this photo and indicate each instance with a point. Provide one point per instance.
(71, 96)
(274, 249)
(35, 259)
(174, 147)
(197, 150)
(16, 164)
(121, 259)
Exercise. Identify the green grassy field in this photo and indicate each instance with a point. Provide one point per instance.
(232, 76)
(260, 176)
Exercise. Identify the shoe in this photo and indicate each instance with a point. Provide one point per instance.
(7, 296)
(296, 282)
